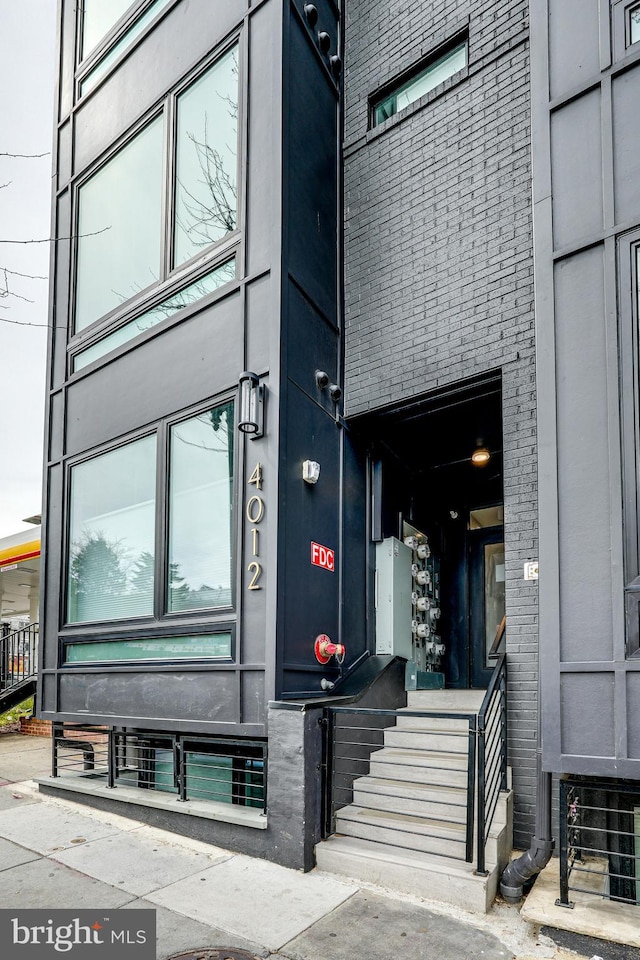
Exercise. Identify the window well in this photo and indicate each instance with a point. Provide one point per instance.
(406, 92)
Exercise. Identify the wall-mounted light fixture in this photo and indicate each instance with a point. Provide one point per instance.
(252, 394)
(481, 455)
(310, 471)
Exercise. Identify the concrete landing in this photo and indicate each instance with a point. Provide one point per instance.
(591, 915)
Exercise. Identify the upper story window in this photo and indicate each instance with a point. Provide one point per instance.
(407, 89)
(634, 24)
(102, 19)
(99, 16)
(143, 213)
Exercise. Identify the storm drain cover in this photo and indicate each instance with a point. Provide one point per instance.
(215, 953)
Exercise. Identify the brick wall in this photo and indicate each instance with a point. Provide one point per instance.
(438, 264)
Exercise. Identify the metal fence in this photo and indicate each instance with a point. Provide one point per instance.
(18, 658)
(192, 767)
(599, 840)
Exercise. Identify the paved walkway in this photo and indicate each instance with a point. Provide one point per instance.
(56, 853)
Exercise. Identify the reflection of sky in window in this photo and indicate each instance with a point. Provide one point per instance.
(200, 507)
(635, 25)
(99, 17)
(104, 64)
(119, 227)
(167, 308)
(207, 159)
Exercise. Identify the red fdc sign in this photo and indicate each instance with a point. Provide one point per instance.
(322, 556)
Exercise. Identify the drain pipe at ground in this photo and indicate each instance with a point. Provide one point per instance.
(516, 874)
(539, 853)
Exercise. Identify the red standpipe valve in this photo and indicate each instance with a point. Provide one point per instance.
(324, 649)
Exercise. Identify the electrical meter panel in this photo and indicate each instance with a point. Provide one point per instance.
(427, 645)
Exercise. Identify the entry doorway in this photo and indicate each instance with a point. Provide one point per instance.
(486, 572)
(424, 475)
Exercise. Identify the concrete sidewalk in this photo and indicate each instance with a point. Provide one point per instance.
(56, 853)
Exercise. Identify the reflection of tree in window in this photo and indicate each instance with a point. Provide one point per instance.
(97, 577)
(200, 512)
(206, 187)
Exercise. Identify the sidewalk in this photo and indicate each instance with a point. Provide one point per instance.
(56, 853)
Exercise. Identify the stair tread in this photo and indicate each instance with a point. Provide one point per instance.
(421, 757)
(413, 823)
(388, 783)
(416, 859)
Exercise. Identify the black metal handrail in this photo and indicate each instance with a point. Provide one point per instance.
(333, 759)
(18, 657)
(348, 749)
(492, 755)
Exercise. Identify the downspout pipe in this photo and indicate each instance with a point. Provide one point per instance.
(516, 874)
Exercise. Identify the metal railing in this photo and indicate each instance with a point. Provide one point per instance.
(192, 767)
(492, 755)
(475, 752)
(599, 840)
(18, 657)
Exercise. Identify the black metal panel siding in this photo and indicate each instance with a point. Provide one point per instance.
(586, 141)
(195, 361)
(438, 265)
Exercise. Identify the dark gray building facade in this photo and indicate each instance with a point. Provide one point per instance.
(294, 318)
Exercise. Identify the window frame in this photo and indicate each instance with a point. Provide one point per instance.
(84, 65)
(401, 80)
(161, 619)
(201, 262)
(141, 306)
(629, 376)
(621, 11)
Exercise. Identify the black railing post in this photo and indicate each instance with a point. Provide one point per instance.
(56, 730)
(471, 788)
(504, 785)
(563, 899)
(480, 828)
(327, 722)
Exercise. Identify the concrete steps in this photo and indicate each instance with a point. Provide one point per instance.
(406, 826)
(408, 871)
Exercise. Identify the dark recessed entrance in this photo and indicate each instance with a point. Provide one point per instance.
(423, 477)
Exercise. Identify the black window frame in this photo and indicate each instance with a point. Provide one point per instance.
(172, 277)
(629, 360)
(398, 82)
(161, 621)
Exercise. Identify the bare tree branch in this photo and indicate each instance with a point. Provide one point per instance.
(29, 276)
(54, 239)
(25, 156)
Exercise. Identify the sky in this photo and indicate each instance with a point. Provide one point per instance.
(27, 54)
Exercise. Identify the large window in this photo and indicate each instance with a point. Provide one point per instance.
(112, 526)
(120, 227)
(123, 246)
(405, 91)
(115, 564)
(200, 510)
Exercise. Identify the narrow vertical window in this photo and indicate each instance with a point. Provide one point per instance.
(200, 510)
(206, 161)
(111, 534)
(634, 25)
(120, 227)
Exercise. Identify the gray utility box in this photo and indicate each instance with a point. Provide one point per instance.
(393, 598)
